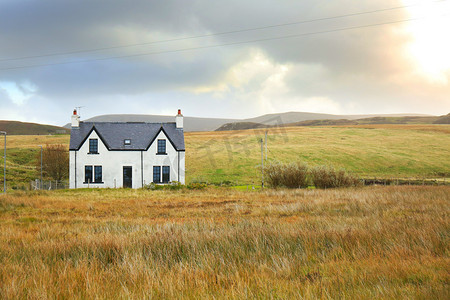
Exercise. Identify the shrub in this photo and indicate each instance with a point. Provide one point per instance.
(153, 186)
(196, 186)
(291, 175)
(329, 177)
(226, 183)
(272, 174)
(174, 185)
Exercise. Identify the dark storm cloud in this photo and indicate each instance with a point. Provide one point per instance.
(42, 27)
(353, 66)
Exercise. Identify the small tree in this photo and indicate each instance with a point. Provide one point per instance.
(55, 161)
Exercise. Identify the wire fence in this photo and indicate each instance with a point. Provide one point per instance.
(48, 185)
(366, 181)
(59, 185)
(405, 181)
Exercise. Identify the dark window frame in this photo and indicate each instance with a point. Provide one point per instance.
(161, 147)
(165, 174)
(98, 174)
(93, 146)
(157, 170)
(88, 174)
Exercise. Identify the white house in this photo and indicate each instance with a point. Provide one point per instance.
(126, 154)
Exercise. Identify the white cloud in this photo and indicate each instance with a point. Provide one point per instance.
(18, 93)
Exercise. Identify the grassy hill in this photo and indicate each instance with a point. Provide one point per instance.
(23, 128)
(23, 153)
(382, 151)
(210, 124)
(368, 150)
(241, 126)
(443, 120)
(342, 121)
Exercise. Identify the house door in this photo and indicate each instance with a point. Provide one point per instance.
(127, 177)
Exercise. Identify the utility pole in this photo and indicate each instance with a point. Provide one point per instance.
(266, 145)
(4, 168)
(40, 185)
(262, 163)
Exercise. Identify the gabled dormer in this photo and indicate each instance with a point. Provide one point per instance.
(126, 136)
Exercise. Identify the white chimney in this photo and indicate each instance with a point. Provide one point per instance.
(179, 120)
(75, 119)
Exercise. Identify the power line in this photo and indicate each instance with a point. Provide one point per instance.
(213, 34)
(215, 46)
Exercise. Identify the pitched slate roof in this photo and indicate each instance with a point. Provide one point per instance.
(113, 134)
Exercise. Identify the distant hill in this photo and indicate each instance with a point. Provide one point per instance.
(328, 122)
(240, 126)
(23, 128)
(250, 125)
(211, 124)
(190, 123)
(443, 120)
(398, 120)
(294, 117)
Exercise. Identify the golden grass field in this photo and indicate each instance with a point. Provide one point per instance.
(382, 151)
(388, 242)
(360, 243)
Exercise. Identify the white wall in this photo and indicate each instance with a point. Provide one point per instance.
(112, 163)
(171, 159)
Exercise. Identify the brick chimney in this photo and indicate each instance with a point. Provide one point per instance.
(179, 120)
(75, 119)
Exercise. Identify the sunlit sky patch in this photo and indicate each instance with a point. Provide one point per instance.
(153, 57)
(430, 47)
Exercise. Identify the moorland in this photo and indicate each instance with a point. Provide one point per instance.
(357, 243)
(368, 151)
(366, 242)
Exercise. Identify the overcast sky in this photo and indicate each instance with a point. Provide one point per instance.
(233, 59)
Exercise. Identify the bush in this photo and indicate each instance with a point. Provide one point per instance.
(272, 174)
(174, 185)
(196, 186)
(153, 186)
(295, 175)
(328, 177)
(291, 175)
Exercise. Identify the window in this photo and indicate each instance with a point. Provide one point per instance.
(87, 174)
(98, 174)
(165, 174)
(161, 146)
(156, 174)
(93, 146)
(127, 142)
(93, 174)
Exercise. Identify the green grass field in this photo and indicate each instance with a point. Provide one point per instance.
(383, 151)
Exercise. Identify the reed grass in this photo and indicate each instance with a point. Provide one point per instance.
(363, 243)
